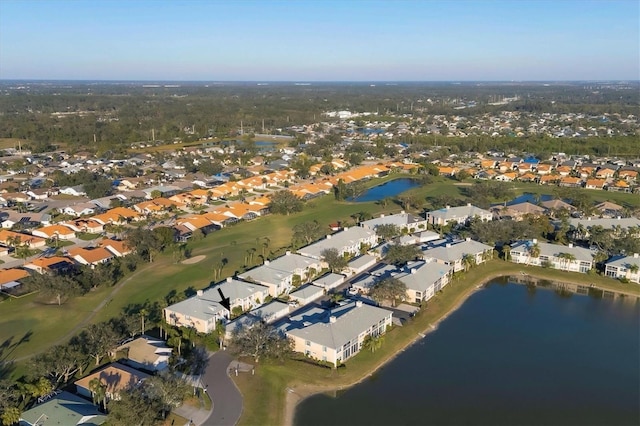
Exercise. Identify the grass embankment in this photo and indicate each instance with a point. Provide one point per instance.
(266, 394)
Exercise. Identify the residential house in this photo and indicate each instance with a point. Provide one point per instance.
(90, 256)
(10, 278)
(117, 216)
(80, 209)
(595, 184)
(54, 232)
(519, 211)
(146, 353)
(76, 191)
(84, 225)
(117, 247)
(625, 267)
(54, 264)
(11, 238)
(461, 215)
(335, 335)
(116, 377)
(565, 258)
(63, 408)
(282, 273)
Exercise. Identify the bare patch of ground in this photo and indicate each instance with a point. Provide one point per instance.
(194, 259)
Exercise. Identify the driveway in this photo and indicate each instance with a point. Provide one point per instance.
(227, 400)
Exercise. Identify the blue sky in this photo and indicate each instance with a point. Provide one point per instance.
(320, 40)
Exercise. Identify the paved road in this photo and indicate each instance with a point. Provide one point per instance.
(227, 400)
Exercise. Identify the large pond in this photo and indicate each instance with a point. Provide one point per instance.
(387, 189)
(512, 355)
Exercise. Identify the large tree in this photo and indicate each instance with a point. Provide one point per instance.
(306, 233)
(390, 289)
(136, 407)
(169, 389)
(387, 231)
(334, 259)
(260, 341)
(285, 202)
(401, 254)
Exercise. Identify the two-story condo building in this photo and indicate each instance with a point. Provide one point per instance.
(454, 254)
(424, 279)
(336, 335)
(627, 267)
(565, 258)
(204, 310)
(348, 241)
(461, 214)
(404, 221)
(278, 275)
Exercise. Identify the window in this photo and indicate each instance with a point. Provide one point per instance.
(324, 349)
(308, 343)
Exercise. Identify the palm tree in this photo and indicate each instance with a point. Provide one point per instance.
(566, 259)
(468, 260)
(534, 252)
(143, 314)
(633, 269)
(98, 392)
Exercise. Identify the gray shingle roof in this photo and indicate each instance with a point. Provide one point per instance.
(339, 240)
(277, 270)
(351, 320)
(456, 251)
(400, 220)
(425, 275)
(455, 213)
(624, 261)
(606, 223)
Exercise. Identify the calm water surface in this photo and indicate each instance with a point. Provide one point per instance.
(510, 356)
(387, 189)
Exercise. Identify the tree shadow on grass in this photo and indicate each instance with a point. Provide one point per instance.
(6, 349)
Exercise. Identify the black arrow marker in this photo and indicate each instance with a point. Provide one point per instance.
(225, 302)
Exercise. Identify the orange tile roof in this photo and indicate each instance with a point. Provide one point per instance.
(5, 234)
(52, 230)
(596, 182)
(8, 275)
(120, 246)
(91, 255)
(45, 262)
(196, 221)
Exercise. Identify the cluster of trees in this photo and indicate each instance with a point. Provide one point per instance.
(285, 202)
(95, 185)
(60, 287)
(343, 191)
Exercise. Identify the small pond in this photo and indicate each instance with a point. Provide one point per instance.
(387, 189)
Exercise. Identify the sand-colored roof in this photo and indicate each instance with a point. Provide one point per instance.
(116, 377)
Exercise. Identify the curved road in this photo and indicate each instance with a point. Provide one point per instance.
(227, 400)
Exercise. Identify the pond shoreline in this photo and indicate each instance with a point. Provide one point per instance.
(297, 393)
